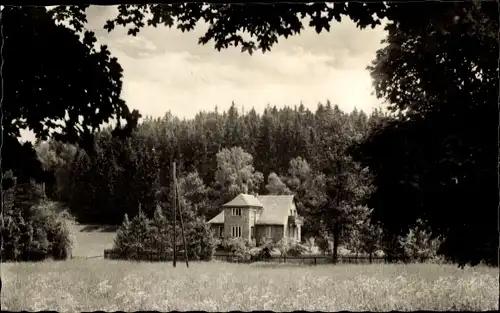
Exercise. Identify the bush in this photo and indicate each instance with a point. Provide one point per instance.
(34, 229)
(418, 243)
(296, 249)
(324, 243)
(287, 246)
(343, 251)
(142, 237)
(311, 246)
(235, 244)
(260, 254)
(242, 249)
(56, 224)
(200, 240)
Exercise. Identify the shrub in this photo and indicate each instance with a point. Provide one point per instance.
(343, 251)
(239, 247)
(296, 249)
(325, 243)
(311, 246)
(34, 229)
(200, 240)
(141, 237)
(260, 253)
(56, 225)
(37, 232)
(283, 245)
(418, 243)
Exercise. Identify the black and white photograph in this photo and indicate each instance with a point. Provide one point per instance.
(250, 156)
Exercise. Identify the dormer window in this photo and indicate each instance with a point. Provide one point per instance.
(236, 211)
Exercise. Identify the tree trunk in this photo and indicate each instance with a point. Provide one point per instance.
(336, 239)
(370, 257)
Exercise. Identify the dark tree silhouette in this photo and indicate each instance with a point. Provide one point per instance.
(52, 80)
(437, 161)
(267, 22)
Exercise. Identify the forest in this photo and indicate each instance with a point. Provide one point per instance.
(218, 155)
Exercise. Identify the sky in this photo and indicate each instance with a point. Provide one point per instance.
(167, 70)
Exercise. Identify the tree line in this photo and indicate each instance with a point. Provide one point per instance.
(219, 155)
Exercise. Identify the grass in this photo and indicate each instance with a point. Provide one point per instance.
(96, 284)
(91, 241)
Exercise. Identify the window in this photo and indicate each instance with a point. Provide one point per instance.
(252, 232)
(268, 232)
(221, 231)
(236, 231)
(236, 211)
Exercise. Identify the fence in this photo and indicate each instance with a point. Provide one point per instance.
(308, 259)
(229, 257)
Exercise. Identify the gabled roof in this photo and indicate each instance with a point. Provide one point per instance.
(218, 219)
(275, 209)
(244, 200)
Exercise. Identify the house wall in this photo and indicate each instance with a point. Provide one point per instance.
(292, 231)
(244, 221)
(277, 232)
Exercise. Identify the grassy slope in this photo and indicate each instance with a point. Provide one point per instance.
(93, 284)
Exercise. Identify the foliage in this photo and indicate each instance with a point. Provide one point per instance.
(283, 245)
(34, 229)
(275, 185)
(287, 246)
(200, 240)
(100, 184)
(442, 133)
(193, 193)
(418, 243)
(311, 244)
(364, 235)
(371, 235)
(140, 237)
(296, 249)
(307, 187)
(122, 241)
(227, 22)
(324, 242)
(76, 87)
(57, 158)
(235, 174)
(121, 175)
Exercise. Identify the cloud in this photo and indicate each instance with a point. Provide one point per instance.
(165, 69)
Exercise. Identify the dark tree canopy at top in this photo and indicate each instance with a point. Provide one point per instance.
(268, 22)
(51, 76)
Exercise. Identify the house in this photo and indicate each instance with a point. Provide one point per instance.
(256, 217)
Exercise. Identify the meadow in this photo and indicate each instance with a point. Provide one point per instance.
(90, 283)
(96, 284)
(91, 241)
